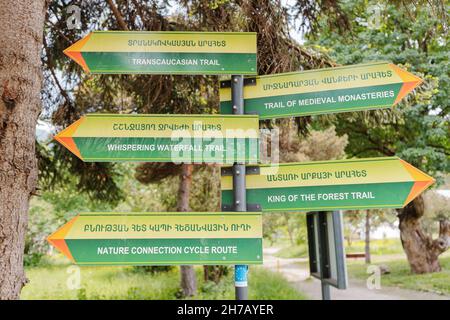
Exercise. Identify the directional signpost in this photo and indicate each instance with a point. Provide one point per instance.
(231, 237)
(163, 138)
(323, 91)
(163, 238)
(191, 139)
(166, 52)
(331, 185)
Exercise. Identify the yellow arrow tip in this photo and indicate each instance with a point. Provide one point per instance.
(75, 52)
(405, 75)
(65, 137)
(70, 130)
(421, 181)
(416, 174)
(410, 82)
(57, 239)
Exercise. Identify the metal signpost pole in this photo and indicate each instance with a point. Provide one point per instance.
(325, 291)
(239, 193)
(324, 254)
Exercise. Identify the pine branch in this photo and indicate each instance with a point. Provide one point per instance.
(118, 15)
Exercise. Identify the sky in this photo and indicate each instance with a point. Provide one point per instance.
(44, 131)
(294, 27)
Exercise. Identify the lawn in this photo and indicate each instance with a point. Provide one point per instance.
(288, 252)
(55, 278)
(402, 277)
(377, 248)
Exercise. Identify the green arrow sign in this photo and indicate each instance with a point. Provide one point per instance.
(342, 89)
(163, 138)
(331, 185)
(166, 52)
(169, 238)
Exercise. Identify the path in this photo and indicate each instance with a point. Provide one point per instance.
(296, 271)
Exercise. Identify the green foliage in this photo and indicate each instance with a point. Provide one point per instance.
(436, 209)
(264, 285)
(317, 145)
(205, 191)
(414, 37)
(69, 92)
(39, 227)
(55, 207)
(355, 222)
(379, 247)
(297, 251)
(267, 285)
(153, 269)
(139, 197)
(272, 227)
(216, 291)
(111, 283)
(285, 226)
(50, 211)
(215, 273)
(58, 167)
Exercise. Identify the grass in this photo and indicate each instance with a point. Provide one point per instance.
(52, 280)
(269, 285)
(263, 285)
(401, 276)
(377, 248)
(298, 251)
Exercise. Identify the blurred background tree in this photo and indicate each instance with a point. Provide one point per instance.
(70, 93)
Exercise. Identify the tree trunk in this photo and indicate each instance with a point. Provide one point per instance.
(421, 250)
(188, 277)
(289, 229)
(20, 105)
(367, 238)
(350, 238)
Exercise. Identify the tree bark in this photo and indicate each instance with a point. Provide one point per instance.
(367, 238)
(20, 105)
(188, 277)
(421, 250)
